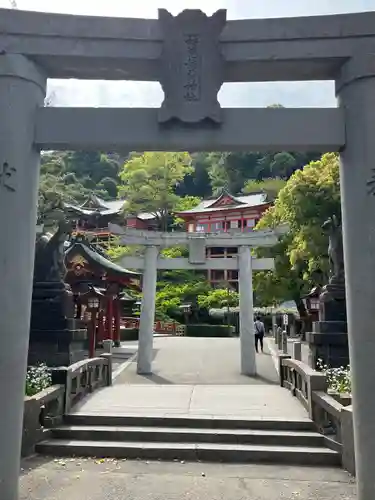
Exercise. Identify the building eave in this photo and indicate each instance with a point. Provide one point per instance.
(237, 208)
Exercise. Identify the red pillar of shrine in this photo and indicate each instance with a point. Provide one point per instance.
(109, 319)
(117, 322)
(101, 326)
(92, 334)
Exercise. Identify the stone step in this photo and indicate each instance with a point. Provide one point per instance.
(195, 421)
(188, 435)
(205, 452)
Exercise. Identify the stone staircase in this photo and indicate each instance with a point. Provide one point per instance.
(190, 439)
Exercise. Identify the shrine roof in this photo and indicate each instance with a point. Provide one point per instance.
(226, 201)
(95, 205)
(95, 258)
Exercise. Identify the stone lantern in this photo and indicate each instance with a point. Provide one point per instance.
(92, 299)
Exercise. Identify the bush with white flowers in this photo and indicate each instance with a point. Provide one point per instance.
(339, 379)
(38, 378)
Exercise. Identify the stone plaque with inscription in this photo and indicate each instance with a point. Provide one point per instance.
(192, 66)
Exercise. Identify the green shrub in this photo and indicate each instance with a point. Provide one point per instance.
(38, 378)
(129, 334)
(339, 379)
(208, 331)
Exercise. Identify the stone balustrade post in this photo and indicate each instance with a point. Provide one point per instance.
(285, 342)
(279, 339)
(297, 351)
(108, 346)
(109, 358)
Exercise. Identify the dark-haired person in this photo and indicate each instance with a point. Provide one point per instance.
(259, 332)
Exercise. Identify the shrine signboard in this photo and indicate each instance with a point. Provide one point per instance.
(191, 46)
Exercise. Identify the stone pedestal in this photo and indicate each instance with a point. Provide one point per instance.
(328, 340)
(55, 337)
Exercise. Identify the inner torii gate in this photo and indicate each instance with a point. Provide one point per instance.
(191, 55)
(197, 243)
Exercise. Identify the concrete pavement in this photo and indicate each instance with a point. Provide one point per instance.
(194, 361)
(210, 401)
(197, 377)
(90, 479)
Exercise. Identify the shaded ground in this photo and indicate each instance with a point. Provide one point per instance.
(194, 361)
(88, 479)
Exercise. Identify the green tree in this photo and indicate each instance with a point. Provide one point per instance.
(150, 181)
(271, 187)
(309, 197)
(197, 183)
(218, 298)
(78, 174)
(170, 296)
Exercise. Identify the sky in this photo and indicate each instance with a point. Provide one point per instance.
(139, 94)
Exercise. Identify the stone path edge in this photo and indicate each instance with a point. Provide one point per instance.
(273, 352)
(124, 366)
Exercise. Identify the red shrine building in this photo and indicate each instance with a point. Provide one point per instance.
(227, 213)
(92, 218)
(88, 269)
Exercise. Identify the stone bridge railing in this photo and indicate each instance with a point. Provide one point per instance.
(83, 378)
(332, 418)
(70, 385)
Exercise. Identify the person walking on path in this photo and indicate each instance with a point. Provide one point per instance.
(259, 333)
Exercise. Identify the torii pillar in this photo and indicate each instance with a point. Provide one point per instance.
(356, 92)
(146, 322)
(247, 334)
(22, 90)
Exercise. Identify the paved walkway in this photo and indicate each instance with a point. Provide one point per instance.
(85, 479)
(197, 377)
(194, 377)
(194, 361)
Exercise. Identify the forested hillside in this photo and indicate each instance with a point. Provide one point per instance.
(306, 189)
(71, 176)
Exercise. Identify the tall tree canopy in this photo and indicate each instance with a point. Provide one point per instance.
(149, 183)
(309, 197)
(269, 186)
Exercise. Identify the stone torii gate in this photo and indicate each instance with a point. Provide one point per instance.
(197, 243)
(191, 55)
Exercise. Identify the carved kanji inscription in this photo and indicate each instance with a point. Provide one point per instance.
(192, 67)
(8, 177)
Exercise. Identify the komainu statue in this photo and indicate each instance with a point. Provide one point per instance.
(49, 264)
(335, 249)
